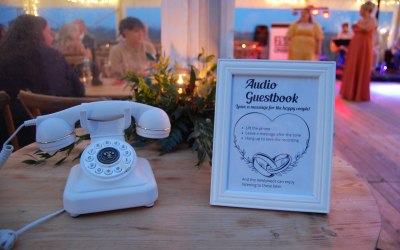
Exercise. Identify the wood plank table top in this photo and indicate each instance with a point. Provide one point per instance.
(109, 89)
(181, 217)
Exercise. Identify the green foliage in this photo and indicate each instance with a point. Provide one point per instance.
(190, 106)
(39, 157)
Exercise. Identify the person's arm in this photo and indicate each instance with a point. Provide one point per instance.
(150, 49)
(116, 61)
(290, 32)
(289, 36)
(318, 48)
(366, 25)
(77, 86)
(319, 36)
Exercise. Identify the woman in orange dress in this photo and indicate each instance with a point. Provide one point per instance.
(305, 38)
(358, 65)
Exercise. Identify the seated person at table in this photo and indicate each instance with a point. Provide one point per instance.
(68, 40)
(28, 62)
(89, 42)
(130, 53)
(344, 34)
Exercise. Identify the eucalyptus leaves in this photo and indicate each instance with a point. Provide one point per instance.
(190, 105)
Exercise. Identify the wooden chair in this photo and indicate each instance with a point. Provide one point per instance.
(74, 59)
(38, 104)
(5, 109)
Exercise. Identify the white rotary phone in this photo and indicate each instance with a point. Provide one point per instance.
(110, 176)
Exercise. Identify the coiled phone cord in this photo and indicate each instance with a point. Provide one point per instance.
(8, 149)
(8, 237)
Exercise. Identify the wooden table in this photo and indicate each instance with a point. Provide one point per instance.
(108, 89)
(182, 217)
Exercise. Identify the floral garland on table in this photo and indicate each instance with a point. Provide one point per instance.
(187, 96)
(188, 99)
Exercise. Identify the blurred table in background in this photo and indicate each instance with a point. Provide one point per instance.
(111, 88)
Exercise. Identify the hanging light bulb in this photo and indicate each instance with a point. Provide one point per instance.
(325, 14)
(31, 7)
(93, 2)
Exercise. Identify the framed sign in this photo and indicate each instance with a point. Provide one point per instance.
(278, 42)
(273, 135)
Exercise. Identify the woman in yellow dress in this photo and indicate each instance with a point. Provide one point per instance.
(305, 38)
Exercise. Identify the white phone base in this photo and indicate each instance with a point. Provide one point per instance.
(83, 195)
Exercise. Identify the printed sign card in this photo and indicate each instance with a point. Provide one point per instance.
(273, 135)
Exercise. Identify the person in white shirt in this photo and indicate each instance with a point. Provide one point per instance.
(344, 34)
(130, 53)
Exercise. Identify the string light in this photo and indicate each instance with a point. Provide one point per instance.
(383, 2)
(286, 2)
(31, 7)
(315, 11)
(93, 2)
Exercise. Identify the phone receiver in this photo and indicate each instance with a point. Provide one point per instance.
(101, 119)
(110, 176)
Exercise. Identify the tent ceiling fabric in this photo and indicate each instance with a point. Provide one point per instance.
(66, 3)
(331, 4)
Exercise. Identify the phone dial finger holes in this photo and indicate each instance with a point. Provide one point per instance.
(108, 159)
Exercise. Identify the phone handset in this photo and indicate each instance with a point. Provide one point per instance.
(101, 119)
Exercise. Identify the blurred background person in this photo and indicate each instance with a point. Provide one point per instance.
(89, 42)
(130, 53)
(68, 41)
(357, 68)
(344, 34)
(376, 47)
(305, 37)
(396, 53)
(28, 62)
(261, 36)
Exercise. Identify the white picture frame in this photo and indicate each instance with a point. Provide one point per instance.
(273, 135)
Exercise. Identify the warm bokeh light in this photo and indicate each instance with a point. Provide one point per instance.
(180, 79)
(180, 82)
(326, 14)
(93, 2)
(31, 7)
(244, 45)
(315, 12)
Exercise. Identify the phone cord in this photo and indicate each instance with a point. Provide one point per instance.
(8, 237)
(8, 149)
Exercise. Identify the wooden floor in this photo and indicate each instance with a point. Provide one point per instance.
(367, 135)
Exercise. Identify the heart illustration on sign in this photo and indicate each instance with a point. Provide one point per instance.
(271, 146)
